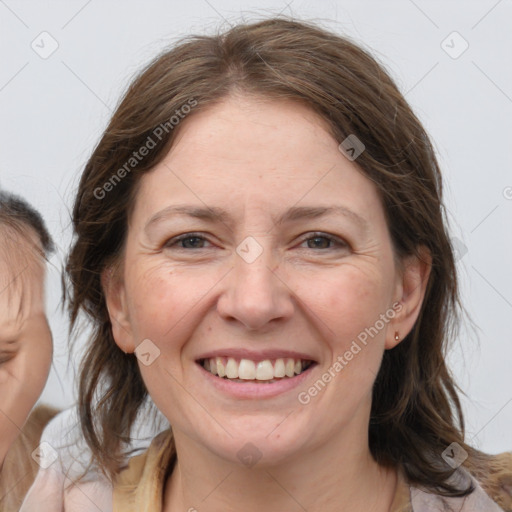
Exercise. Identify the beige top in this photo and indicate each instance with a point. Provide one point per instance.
(140, 487)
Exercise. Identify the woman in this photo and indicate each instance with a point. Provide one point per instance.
(261, 248)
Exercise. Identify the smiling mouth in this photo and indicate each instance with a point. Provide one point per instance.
(246, 370)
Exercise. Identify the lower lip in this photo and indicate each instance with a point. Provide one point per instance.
(247, 390)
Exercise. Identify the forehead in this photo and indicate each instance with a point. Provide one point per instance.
(20, 245)
(239, 128)
(22, 274)
(257, 155)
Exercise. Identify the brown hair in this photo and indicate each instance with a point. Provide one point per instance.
(18, 215)
(415, 412)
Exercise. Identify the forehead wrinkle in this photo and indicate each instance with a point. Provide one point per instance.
(208, 214)
(293, 214)
(313, 212)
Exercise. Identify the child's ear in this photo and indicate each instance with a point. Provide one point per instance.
(410, 292)
(112, 283)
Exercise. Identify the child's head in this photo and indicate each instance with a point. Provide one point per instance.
(25, 336)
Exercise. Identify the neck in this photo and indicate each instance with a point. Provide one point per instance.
(339, 476)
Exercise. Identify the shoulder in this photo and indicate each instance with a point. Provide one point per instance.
(491, 477)
(148, 464)
(62, 436)
(71, 477)
(494, 474)
(140, 485)
(21, 462)
(492, 481)
(56, 485)
(74, 459)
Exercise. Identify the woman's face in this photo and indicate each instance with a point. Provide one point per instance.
(257, 246)
(25, 337)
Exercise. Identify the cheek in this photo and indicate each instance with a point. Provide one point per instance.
(163, 302)
(25, 378)
(359, 319)
(37, 365)
(349, 303)
(153, 301)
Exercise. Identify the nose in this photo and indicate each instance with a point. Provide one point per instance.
(255, 295)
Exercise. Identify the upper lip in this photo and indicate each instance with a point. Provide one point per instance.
(256, 355)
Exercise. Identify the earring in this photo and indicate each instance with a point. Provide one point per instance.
(397, 336)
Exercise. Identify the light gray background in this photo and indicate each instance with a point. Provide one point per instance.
(53, 111)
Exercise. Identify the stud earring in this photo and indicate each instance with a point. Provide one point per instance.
(397, 336)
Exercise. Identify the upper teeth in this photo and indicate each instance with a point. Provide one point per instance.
(247, 369)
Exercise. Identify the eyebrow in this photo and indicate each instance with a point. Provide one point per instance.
(216, 215)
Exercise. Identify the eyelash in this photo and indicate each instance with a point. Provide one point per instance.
(173, 241)
(5, 358)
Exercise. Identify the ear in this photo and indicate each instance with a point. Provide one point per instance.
(115, 297)
(411, 287)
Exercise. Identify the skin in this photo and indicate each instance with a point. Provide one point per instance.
(256, 158)
(25, 336)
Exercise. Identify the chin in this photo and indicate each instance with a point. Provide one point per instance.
(263, 442)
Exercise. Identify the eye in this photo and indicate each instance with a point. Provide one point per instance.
(5, 357)
(324, 241)
(187, 241)
(197, 241)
